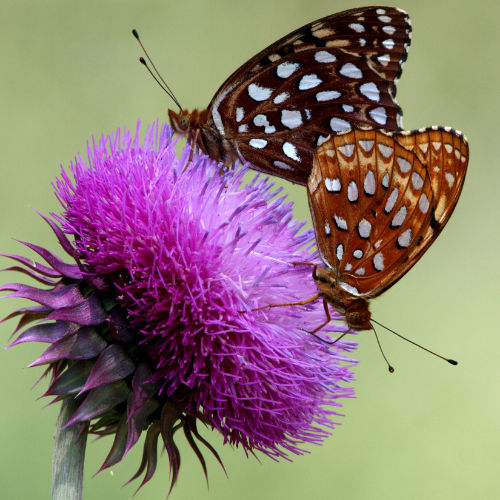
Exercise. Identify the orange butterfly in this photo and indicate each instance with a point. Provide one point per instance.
(378, 200)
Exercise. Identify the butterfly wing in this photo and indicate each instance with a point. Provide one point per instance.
(371, 202)
(445, 153)
(322, 78)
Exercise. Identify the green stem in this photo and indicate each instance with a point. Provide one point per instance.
(69, 455)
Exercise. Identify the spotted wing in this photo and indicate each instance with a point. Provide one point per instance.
(371, 202)
(325, 77)
(445, 153)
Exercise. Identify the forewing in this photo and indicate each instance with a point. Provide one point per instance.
(371, 201)
(325, 77)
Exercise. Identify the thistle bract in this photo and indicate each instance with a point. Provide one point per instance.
(150, 323)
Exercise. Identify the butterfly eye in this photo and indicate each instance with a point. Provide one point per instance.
(184, 121)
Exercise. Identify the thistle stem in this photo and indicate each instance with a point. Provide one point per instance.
(69, 455)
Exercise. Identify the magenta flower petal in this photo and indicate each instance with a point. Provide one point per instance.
(170, 259)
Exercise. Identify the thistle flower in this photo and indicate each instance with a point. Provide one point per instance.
(150, 326)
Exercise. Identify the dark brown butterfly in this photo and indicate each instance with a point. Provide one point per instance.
(325, 77)
(378, 200)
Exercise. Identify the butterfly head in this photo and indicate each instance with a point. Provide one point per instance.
(182, 121)
(357, 314)
(355, 309)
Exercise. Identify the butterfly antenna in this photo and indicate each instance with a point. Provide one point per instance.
(389, 366)
(158, 78)
(451, 361)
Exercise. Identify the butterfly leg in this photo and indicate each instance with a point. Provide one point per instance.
(298, 303)
(329, 342)
(315, 266)
(191, 152)
(328, 317)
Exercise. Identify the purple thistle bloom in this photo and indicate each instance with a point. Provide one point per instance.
(152, 326)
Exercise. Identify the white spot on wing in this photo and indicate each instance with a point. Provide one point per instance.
(450, 178)
(340, 222)
(404, 239)
(243, 128)
(291, 151)
(323, 56)
(286, 69)
(347, 149)
(385, 180)
(423, 203)
(358, 28)
(281, 97)
(366, 145)
(349, 288)
(258, 93)
(340, 251)
(404, 164)
(385, 19)
(360, 271)
(260, 120)
(423, 147)
(390, 30)
(391, 201)
(327, 95)
(380, 11)
(337, 124)
(369, 183)
(417, 180)
(332, 185)
(371, 91)
(385, 150)
(347, 108)
(379, 115)
(378, 261)
(351, 71)
(328, 231)
(348, 267)
(384, 60)
(388, 44)
(282, 165)
(364, 228)
(352, 192)
(358, 253)
(400, 217)
(240, 114)
(309, 81)
(291, 118)
(321, 140)
(258, 143)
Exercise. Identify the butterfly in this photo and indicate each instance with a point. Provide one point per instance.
(378, 200)
(331, 74)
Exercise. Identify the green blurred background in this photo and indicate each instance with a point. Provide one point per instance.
(70, 70)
